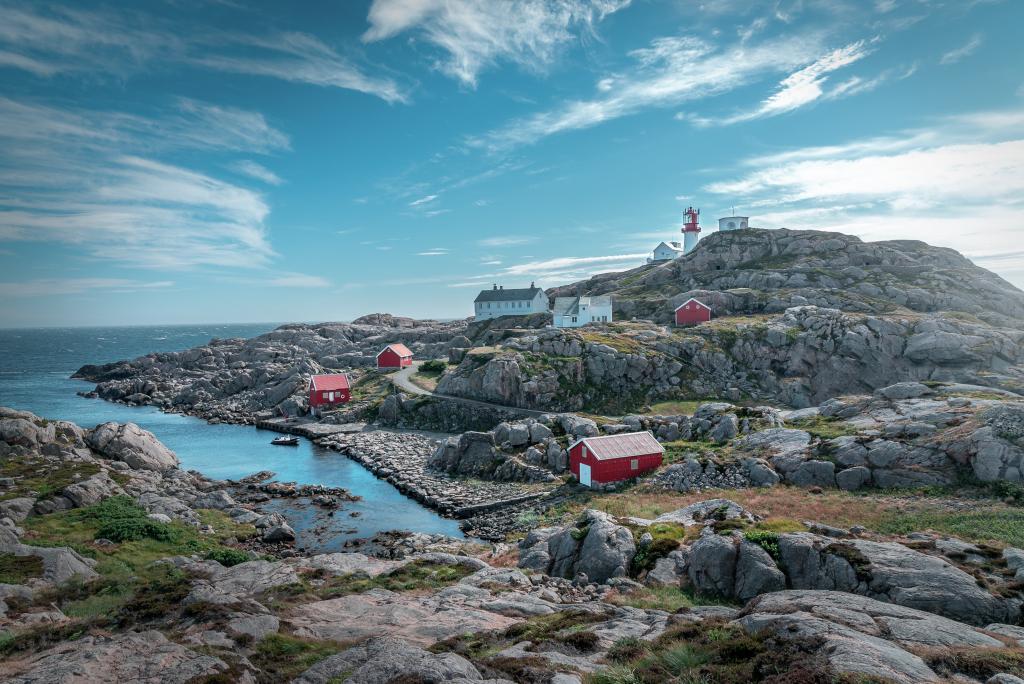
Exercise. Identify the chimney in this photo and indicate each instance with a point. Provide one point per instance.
(495, 286)
(531, 284)
(502, 287)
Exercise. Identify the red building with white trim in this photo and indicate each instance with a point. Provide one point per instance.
(692, 312)
(394, 356)
(329, 391)
(600, 460)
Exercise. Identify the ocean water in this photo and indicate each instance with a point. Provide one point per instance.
(35, 370)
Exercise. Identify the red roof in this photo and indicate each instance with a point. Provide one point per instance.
(328, 383)
(622, 446)
(399, 349)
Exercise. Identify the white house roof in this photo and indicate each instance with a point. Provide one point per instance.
(568, 306)
(674, 246)
(625, 445)
(695, 301)
(497, 294)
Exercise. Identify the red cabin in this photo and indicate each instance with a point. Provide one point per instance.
(329, 390)
(599, 460)
(692, 312)
(394, 356)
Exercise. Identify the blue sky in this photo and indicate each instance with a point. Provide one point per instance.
(165, 162)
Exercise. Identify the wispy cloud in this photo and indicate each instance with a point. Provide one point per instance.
(505, 241)
(65, 286)
(669, 72)
(806, 85)
(475, 34)
(423, 200)
(92, 179)
(60, 39)
(257, 171)
(297, 280)
(566, 268)
(436, 251)
(964, 51)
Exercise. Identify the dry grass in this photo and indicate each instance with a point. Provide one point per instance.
(425, 381)
(882, 513)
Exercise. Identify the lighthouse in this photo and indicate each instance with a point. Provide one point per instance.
(691, 229)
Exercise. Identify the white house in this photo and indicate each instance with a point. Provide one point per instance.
(666, 251)
(733, 223)
(512, 302)
(574, 312)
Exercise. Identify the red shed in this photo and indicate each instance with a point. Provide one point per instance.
(329, 390)
(394, 356)
(599, 460)
(692, 312)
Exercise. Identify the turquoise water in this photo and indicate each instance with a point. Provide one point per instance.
(35, 366)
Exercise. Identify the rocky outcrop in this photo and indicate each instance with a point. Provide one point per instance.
(595, 547)
(129, 443)
(137, 657)
(861, 636)
(386, 659)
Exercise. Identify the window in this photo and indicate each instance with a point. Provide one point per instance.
(573, 319)
(634, 464)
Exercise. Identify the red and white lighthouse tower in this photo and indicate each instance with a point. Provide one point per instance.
(691, 229)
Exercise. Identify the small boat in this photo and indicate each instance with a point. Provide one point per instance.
(285, 441)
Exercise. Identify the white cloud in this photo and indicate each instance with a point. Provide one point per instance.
(505, 241)
(668, 72)
(574, 267)
(475, 34)
(257, 171)
(957, 184)
(42, 287)
(297, 280)
(806, 85)
(964, 51)
(423, 200)
(436, 251)
(91, 179)
(57, 39)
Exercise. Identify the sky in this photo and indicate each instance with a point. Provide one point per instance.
(212, 162)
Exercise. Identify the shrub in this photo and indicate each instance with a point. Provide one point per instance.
(433, 366)
(228, 556)
(121, 519)
(767, 540)
(19, 569)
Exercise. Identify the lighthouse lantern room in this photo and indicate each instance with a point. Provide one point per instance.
(691, 229)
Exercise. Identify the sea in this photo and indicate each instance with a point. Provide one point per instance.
(35, 375)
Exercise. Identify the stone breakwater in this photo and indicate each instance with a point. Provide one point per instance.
(401, 459)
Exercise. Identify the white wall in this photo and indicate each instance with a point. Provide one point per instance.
(538, 304)
(592, 314)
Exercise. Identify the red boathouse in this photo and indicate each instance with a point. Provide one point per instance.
(600, 460)
(692, 312)
(394, 356)
(328, 390)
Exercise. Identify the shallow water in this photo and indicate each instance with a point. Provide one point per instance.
(35, 366)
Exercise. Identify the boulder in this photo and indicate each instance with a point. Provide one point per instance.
(712, 565)
(853, 479)
(129, 443)
(756, 572)
(386, 659)
(16, 509)
(595, 546)
(92, 491)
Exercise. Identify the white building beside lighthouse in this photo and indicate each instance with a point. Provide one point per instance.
(733, 223)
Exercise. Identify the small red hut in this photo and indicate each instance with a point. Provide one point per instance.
(328, 390)
(599, 460)
(394, 356)
(692, 312)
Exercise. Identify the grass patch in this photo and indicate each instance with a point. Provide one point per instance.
(281, 657)
(977, 663)
(19, 569)
(676, 408)
(564, 628)
(669, 599)
(32, 474)
(824, 427)
(713, 651)
(667, 537)
(982, 524)
(418, 575)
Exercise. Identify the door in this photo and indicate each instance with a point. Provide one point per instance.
(584, 474)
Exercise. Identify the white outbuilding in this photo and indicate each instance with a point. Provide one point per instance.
(575, 312)
(666, 251)
(733, 223)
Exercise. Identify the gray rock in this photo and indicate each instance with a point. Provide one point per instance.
(539, 432)
(133, 445)
(1004, 678)
(726, 429)
(853, 479)
(133, 657)
(904, 390)
(16, 509)
(382, 660)
(814, 474)
(279, 533)
(756, 572)
(670, 571)
(254, 627)
(712, 565)
(519, 434)
(703, 511)
(92, 491)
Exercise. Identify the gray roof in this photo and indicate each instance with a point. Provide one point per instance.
(510, 295)
(569, 306)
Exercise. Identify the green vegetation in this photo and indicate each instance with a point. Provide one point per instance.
(1004, 525)
(228, 557)
(824, 427)
(372, 386)
(282, 658)
(19, 569)
(433, 367)
(623, 344)
(977, 663)
(669, 599)
(567, 629)
(120, 519)
(767, 540)
(713, 652)
(33, 474)
(679, 407)
(667, 537)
